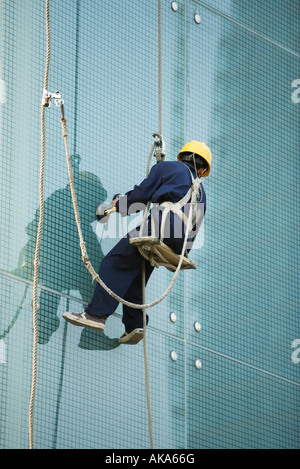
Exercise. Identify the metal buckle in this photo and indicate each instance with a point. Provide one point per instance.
(159, 153)
(47, 97)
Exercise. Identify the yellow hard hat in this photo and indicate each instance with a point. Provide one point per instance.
(200, 149)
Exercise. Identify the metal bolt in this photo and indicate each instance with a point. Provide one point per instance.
(197, 326)
(174, 356)
(197, 18)
(174, 6)
(198, 364)
(173, 317)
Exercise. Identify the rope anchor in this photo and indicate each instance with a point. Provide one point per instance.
(47, 97)
(159, 143)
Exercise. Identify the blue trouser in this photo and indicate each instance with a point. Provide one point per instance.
(121, 271)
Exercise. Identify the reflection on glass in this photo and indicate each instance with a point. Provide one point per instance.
(61, 268)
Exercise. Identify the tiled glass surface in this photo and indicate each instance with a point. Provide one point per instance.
(247, 276)
(277, 21)
(227, 81)
(234, 406)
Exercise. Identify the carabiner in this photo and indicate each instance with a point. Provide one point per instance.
(159, 153)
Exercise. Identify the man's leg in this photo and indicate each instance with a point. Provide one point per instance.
(132, 317)
(117, 270)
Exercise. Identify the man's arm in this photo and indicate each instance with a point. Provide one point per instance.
(141, 193)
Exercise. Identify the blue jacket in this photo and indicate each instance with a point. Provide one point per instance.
(167, 181)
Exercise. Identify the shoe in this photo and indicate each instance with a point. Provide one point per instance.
(133, 337)
(86, 320)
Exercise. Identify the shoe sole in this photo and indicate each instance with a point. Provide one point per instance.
(83, 323)
(133, 338)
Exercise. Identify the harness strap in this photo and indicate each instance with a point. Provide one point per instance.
(176, 208)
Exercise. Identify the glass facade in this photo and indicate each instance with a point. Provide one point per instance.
(231, 78)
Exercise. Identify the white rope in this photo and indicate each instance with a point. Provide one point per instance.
(84, 253)
(145, 356)
(114, 295)
(85, 257)
(159, 68)
(38, 241)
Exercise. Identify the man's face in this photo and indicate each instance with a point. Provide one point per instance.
(201, 171)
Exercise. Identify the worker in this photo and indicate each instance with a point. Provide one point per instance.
(168, 183)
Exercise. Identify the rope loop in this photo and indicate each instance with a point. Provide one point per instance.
(38, 239)
(159, 155)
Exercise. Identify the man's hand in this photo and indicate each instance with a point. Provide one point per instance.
(103, 211)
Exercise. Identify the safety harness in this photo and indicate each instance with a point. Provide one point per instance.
(153, 249)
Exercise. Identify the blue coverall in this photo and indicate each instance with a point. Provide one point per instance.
(121, 268)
